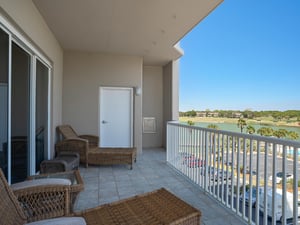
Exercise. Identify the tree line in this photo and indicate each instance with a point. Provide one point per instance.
(263, 131)
(267, 131)
(247, 114)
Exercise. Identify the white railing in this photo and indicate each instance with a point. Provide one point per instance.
(229, 166)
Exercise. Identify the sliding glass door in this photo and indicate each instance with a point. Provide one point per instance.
(41, 113)
(20, 113)
(4, 53)
(24, 109)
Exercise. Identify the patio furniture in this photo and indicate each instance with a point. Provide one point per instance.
(112, 156)
(65, 161)
(75, 178)
(157, 207)
(35, 204)
(38, 199)
(90, 153)
(76, 143)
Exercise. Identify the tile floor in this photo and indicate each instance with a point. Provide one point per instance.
(104, 184)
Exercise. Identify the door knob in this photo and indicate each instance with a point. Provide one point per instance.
(103, 121)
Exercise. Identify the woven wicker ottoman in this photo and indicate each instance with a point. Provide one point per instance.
(111, 156)
(65, 161)
(153, 208)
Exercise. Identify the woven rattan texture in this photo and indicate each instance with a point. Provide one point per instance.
(74, 176)
(44, 202)
(158, 207)
(10, 210)
(67, 131)
(75, 143)
(87, 147)
(65, 161)
(110, 156)
(80, 146)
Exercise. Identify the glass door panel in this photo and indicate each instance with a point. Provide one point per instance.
(20, 103)
(4, 50)
(41, 119)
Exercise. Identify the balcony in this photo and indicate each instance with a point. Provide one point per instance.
(238, 170)
(105, 184)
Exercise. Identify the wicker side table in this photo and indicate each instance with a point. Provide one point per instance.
(65, 161)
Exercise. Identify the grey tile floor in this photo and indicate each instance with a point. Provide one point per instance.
(104, 184)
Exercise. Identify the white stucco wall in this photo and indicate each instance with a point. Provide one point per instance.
(153, 104)
(84, 73)
(24, 17)
(170, 94)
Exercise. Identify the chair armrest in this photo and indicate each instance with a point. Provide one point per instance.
(44, 202)
(60, 221)
(40, 182)
(93, 139)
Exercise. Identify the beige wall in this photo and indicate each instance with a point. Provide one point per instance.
(84, 73)
(175, 90)
(23, 14)
(153, 104)
(170, 94)
(160, 100)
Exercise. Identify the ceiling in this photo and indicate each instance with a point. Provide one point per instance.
(146, 28)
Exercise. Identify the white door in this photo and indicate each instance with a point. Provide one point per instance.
(116, 117)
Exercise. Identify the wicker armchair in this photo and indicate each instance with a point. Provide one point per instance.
(40, 204)
(76, 143)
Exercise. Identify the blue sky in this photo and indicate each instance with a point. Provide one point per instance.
(244, 55)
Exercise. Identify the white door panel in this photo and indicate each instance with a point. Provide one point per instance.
(116, 126)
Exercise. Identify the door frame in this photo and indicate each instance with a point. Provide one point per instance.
(131, 90)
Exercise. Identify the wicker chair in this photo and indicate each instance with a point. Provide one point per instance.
(76, 143)
(87, 147)
(41, 204)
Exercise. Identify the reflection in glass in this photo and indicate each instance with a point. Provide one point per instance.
(19, 114)
(41, 113)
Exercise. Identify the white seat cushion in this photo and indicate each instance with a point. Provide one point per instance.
(40, 182)
(60, 221)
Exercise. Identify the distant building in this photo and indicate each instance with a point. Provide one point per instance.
(213, 114)
(201, 114)
(236, 115)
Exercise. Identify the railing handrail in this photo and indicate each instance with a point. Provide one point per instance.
(275, 140)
